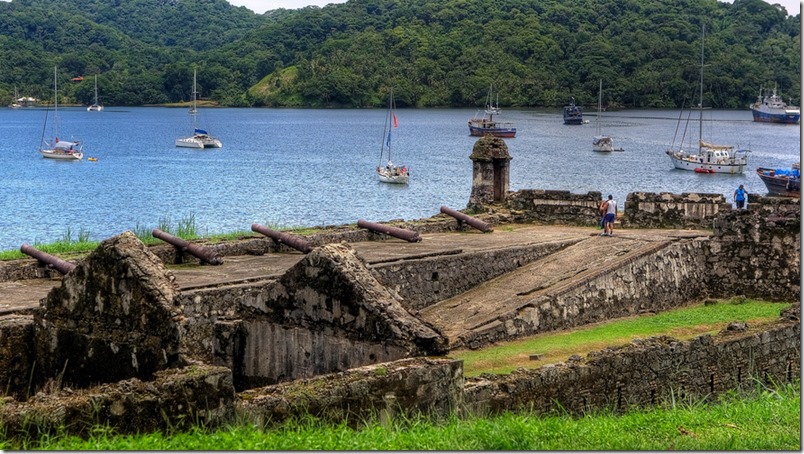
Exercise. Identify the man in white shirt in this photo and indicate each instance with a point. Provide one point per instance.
(610, 207)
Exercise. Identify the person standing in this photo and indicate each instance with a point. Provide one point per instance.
(610, 207)
(740, 196)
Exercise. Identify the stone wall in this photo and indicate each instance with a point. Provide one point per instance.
(16, 355)
(672, 211)
(756, 253)
(665, 277)
(327, 313)
(554, 207)
(429, 280)
(647, 372)
(175, 399)
(111, 318)
(431, 387)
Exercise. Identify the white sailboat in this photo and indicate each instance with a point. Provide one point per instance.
(95, 107)
(68, 150)
(708, 158)
(14, 104)
(390, 173)
(601, 142)
(200, 137)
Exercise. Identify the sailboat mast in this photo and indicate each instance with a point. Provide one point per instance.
(599, 104)
(55, 102)
(195, 93)
(700, 106)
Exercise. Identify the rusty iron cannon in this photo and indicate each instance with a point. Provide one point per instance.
(465, 218)
(404, 234)
(202, 253)
(48, 260)
(296, 242)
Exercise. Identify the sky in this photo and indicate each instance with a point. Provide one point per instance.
(260, 6)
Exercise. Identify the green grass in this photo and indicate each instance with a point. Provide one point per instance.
(766, 420)
(184, 228)
(684, 323)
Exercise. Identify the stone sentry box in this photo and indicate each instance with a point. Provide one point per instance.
(490, 172)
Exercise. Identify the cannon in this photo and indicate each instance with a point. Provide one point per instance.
(202, 253)
(404, 234)
(465, 218)
(296, 242)
(48, 260)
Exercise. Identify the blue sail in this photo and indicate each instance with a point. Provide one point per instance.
(200, 131)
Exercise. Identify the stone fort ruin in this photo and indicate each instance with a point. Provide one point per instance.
(363, 324)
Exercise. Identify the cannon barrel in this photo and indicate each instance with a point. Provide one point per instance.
(202, 253)
(50, 261)
(461, 217)
(296, 242)
(404, 234)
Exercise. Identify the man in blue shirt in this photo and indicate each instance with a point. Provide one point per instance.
(740, 196)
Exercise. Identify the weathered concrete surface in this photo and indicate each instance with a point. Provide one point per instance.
(533, 298)
(112, 317)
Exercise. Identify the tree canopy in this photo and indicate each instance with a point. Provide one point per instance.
(446, 53)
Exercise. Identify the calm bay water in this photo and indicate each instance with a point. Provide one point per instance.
(298, 167)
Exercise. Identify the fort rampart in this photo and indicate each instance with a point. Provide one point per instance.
(338, 336)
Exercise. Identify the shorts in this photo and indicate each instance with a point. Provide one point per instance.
(609, 217)
(740, 203)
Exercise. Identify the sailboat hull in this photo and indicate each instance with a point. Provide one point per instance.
(392, 179)
(684, 161)
(61, 154)
(480, 129)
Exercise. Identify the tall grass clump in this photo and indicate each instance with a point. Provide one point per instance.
(765, 420)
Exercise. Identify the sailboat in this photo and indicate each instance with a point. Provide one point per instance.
(390, 173)
(709, 158)
(601, 142)
(200, 137)
(69, 150)
(95, 107)
(480, 126)
(14, 104)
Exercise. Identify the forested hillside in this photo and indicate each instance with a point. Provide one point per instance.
(445, 53)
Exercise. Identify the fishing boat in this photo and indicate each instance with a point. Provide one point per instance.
(602, 142)
(200, 138)
(708, 158)
(782, 182)
(390, 173)
(485, 124)
(95, 107)
(67, 150)
(573, 115)
(772, 109)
